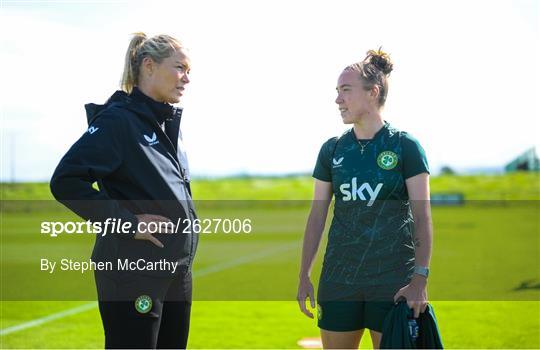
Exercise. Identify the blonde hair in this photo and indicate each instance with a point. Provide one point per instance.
(157, 48)
(374, 70)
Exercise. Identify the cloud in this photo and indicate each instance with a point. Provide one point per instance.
(262, 92)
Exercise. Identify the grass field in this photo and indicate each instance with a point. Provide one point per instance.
(485, 282)
(475, 187)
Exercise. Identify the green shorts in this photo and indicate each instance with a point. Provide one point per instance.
(366, 308)
(345, 316)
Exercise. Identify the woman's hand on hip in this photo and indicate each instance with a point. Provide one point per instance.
(161, 223)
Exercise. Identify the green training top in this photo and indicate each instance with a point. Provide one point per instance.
(370, 241)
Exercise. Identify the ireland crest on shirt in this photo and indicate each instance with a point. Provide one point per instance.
(387, 160)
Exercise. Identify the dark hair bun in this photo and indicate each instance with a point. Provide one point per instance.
(380, 59)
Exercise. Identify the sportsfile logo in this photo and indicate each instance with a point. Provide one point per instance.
(151, 140)
(353, 192)
(337, 162)
(92, 130)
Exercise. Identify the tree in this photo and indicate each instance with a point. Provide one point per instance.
(446, 170)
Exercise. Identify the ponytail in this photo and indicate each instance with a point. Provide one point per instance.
(130, 76)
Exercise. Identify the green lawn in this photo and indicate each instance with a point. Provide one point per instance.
(520, 185)
(485, 283)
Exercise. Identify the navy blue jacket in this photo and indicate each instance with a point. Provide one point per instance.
(134, 152)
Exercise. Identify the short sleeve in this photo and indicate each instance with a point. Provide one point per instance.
(322, 170)
(414, 157)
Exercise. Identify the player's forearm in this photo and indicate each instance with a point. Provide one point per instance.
(423, 240)
(312, 240)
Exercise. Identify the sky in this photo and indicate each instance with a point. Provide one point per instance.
(261, 98)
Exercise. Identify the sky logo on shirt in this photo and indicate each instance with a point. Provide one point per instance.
(151, 140)
(353, 192)
(92, 130)
(337, 162)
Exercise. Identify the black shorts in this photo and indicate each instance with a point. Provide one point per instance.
(362, 307)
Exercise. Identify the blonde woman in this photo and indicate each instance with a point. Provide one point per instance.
(376, 252)
(132, 150)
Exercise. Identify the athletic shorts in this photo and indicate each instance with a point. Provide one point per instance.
(366, 307)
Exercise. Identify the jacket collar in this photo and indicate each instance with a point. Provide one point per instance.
(136, 105)
(161, 111)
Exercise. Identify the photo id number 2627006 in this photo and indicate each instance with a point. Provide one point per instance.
(217, 225)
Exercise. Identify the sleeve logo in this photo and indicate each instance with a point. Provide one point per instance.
(92, 130)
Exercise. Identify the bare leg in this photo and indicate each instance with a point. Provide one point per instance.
(341, 340)
(375, 338)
